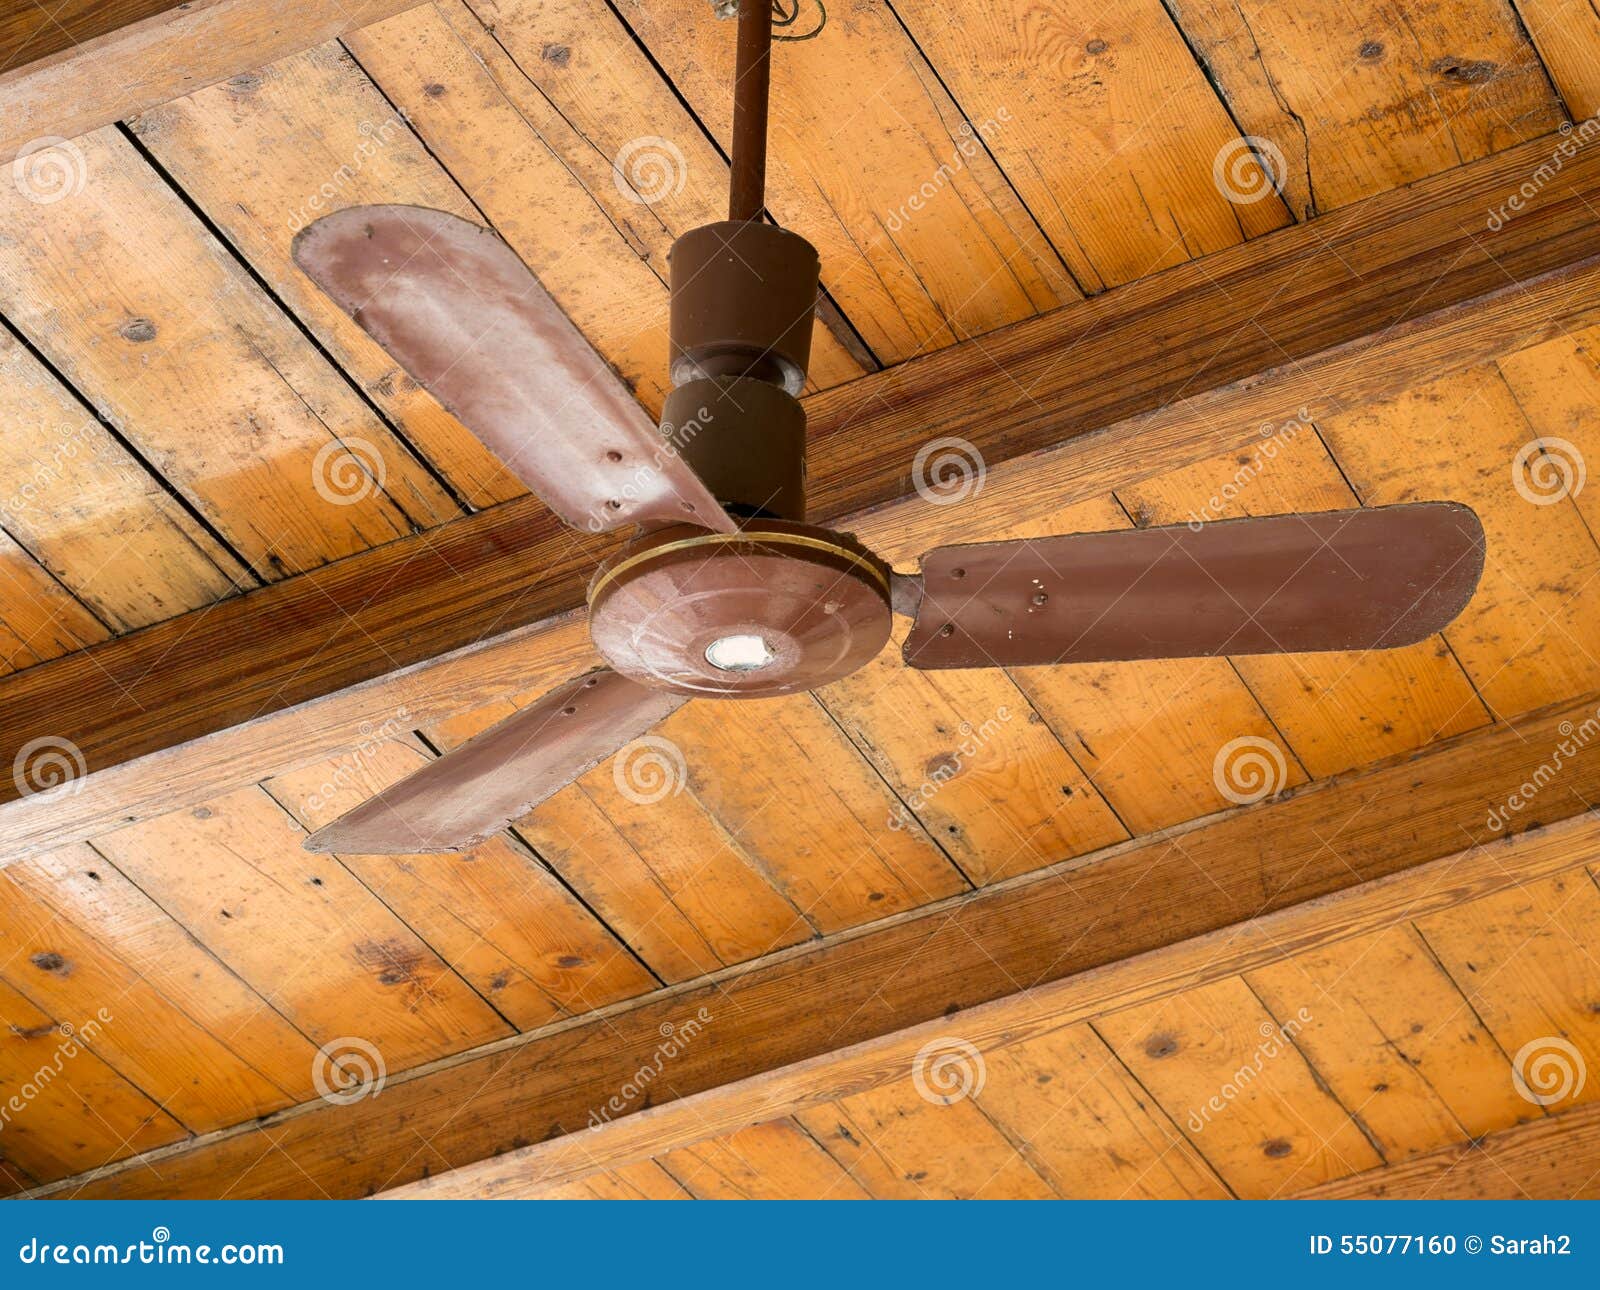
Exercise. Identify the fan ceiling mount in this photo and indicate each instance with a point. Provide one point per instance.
(725, 591)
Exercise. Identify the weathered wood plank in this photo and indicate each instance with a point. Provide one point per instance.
(929, 965)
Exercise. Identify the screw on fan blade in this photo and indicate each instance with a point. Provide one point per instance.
(465, 318)
(1342, 580)
(474, 791)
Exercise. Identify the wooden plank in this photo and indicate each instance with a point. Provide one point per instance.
(1526, 636)
(302, 930)
(1551, 1159)
(1364, 96)
(1091, 1127)
(923, 240)
(495, 915)
(1105, 125)
(775, 1161)
(898, 1143)
(84, 890)
(973, 763)
(153, 322)
(1395, 1040)
(39, 618)
(1230, 1074)
(168, 49)
(267, 152)
(1568, 40)
(1525, 960)
(643, 1181)
(65, 971)
(76, 1111)
(866, 436)
(922, 966)
(81, 504)
(678, 887)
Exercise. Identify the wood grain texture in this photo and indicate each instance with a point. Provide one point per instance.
(1550, 1159)
(1359, 97)
(865, 438)
(923, 966)
(1106, 126)
(992, 1028)
(169, 50)
(136, 303)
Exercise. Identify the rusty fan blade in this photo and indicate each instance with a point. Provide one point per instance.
(474, 791)
(463, 316)
(1341, 580)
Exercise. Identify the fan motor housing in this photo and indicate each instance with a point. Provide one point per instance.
(816, 601)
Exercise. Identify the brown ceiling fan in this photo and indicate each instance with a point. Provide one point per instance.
(726, 592)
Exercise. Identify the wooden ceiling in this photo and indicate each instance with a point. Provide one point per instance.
(1036, 222)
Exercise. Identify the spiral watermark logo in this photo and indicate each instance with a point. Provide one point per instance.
(1548, 1070)
(160, 1235)
(347, 471)
(948, 1070)
(649, 770)
(1248, 169)
(946, 471)
(1249, 769)
(1547, 470)
(649, 169)
(49, 767)
(348, 1069)
(49, 169)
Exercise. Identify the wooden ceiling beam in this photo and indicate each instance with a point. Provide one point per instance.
(1358, 305)
(66, 69)
(1102, 930)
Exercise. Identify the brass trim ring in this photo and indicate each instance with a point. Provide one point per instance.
(755, 539)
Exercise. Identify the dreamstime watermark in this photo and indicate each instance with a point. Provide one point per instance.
(348, 1069)
(1548, 470)
(948, 470)
(49, 767)
(674, 438)
(1275, 1041)
(1548, 1070)
(946, 766)
(1249, 769)
(1274, 438)
(347, 771)
(649, 770)
(1574, 738)
(1572, 141)
(649, 169)
(969, 143)
(329, 195)
(674, 1039)
(347, 471)
(69, 1045)
(160, 1250)
(948, 1070)
(1248, 169)
(48, 169)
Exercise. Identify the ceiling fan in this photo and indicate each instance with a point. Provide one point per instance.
(726, 592)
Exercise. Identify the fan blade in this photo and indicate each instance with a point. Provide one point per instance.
(474, 791)
(1340, 580)
(462, 314)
